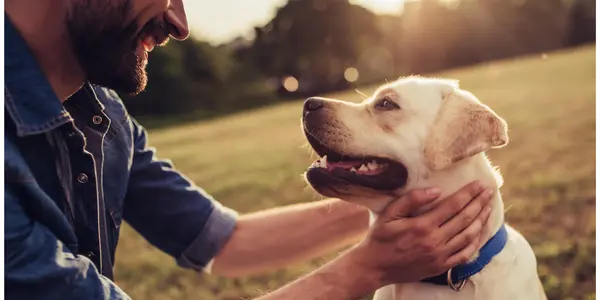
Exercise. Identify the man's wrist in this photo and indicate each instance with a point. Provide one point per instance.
(364, 278)
(346, 277)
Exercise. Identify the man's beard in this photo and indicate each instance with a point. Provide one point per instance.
(105, 44)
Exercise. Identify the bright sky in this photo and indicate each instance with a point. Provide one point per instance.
(222, 20)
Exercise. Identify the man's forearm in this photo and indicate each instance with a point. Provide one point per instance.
(277, 237)
(340, 279)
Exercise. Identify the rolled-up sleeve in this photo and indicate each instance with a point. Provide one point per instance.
(37, 265)
(171, 212)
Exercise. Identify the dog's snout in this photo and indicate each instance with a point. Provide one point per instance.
(313, 104)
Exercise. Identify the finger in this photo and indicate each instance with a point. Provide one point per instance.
(462, 256)
(409, 203)
(454, 204)
(468, 215)
(486, 221)
(468, 236)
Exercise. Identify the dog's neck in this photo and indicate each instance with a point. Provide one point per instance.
(462, 173)
(457, 176)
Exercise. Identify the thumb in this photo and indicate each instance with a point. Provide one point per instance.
(408, 204)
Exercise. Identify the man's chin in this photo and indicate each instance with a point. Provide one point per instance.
(130, 88)
(137, 87)
(130, 83)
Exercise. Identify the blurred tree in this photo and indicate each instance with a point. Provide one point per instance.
(445, 34)
(196, 77)
(313, 41)
(316, 41)
(582, 23)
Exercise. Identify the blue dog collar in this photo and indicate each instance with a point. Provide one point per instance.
(456, 276)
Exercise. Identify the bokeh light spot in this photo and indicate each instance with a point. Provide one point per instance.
(351, 74)
(291, 84)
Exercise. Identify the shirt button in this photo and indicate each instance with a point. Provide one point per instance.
(97, 120)
(82, 178)
(89, 254)
(71, 134)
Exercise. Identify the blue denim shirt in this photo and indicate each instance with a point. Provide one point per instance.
(73, 173)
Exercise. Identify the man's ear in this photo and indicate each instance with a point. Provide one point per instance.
(463, 127)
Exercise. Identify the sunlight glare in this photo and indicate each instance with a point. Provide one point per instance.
(381, 6)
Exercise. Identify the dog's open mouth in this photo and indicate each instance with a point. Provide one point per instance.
(368, 171)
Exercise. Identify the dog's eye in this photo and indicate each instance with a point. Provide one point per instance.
(386, 104)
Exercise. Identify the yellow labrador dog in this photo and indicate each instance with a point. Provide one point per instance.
(414, 133)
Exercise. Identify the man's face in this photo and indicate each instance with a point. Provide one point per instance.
(112, 38)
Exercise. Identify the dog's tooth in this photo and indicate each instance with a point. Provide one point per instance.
(372, 166)
(324, 158)
(324, 162)
(353, 170)
(363, 168)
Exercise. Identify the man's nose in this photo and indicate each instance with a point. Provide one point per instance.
(313, 104)
(177, 21)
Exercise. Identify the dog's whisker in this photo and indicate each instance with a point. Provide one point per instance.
(362, 94)
(345, 147)
(330, 208)
(308, 149)
(317, 196)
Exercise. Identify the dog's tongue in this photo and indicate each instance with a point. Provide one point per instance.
(343, 164)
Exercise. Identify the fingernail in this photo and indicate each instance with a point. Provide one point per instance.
(432, 191)
(488, 194)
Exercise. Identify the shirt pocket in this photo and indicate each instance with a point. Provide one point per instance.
(115, 190)
(118, 157)
(115, 216)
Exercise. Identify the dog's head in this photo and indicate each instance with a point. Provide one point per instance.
(408, 128)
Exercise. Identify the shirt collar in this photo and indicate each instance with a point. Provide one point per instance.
(29, 98)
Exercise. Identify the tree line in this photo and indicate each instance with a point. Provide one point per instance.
(317, 46)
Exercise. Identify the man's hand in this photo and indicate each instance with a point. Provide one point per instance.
(399, 248)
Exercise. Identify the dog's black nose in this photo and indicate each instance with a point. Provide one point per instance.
(312, 104)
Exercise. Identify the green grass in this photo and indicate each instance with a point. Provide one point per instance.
(253, 161)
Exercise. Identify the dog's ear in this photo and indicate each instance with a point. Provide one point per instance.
(462, 128)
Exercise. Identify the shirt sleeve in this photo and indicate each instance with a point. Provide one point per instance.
(171, 212)
(37, 265)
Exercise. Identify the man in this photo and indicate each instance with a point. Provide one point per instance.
(76, 165)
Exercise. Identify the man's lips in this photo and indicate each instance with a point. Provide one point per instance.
(148, 43)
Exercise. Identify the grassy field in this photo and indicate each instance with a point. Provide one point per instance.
(254, 160)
